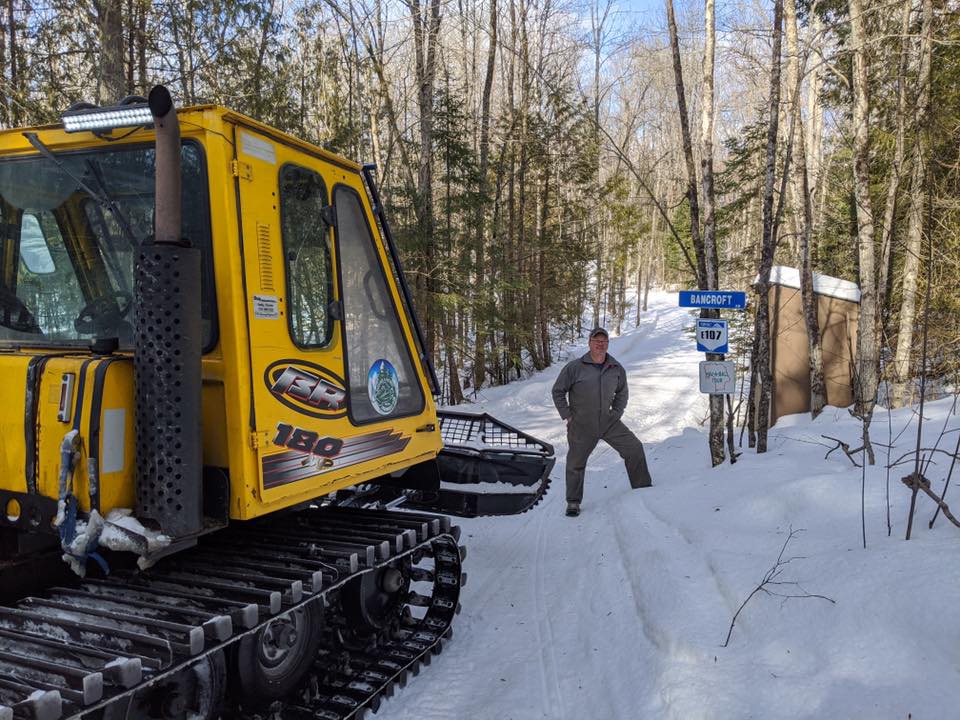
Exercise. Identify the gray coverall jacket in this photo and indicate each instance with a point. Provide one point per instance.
(594, 397)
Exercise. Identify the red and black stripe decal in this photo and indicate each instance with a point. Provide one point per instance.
(294, 465)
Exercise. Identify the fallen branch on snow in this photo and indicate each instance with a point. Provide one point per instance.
(840, 444)
(770, 580)
(919, 482)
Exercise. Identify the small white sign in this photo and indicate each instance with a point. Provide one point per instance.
(717, 377)
(255, 147)
(712, 336)
(113, 439)
(266, 307)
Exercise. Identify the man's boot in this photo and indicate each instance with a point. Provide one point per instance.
(573, 509)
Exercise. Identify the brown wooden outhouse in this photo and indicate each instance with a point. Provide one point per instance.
(838, 305)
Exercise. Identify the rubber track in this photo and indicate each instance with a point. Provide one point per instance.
(76, 650)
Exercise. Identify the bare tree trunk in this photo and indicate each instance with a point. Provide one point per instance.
(646, 290)
(543, 323)
(687, 151)
(179, 42)
(762, 330)
(868, 351)
(818, 397)
(16, 97)
(918, 198)
(712, 277)
(143, 8)
(453, 372)
(5, 110)
(598, 20)
(704, 247)
(426, 28)
(896, 169)
(479, 363)
(131, 41)
(265, 30)
(814, 136)
(112, 81)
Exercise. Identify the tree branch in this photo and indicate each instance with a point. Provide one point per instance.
(770, 580)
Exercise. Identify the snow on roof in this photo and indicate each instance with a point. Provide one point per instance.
(822, 284)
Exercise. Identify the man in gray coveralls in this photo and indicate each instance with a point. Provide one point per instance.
(596, 385)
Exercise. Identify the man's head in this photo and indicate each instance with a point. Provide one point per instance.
(598, 342)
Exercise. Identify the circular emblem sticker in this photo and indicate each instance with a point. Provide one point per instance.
(383, 386)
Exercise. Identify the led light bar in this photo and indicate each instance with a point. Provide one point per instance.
(107, 118)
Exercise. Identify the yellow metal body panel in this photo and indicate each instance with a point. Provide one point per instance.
(250, 427)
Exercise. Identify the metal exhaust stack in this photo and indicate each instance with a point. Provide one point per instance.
(167, 371)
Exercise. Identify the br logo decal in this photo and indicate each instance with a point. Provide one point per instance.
(306, 388)
(383, 387)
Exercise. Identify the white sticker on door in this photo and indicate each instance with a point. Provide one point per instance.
(266, 307)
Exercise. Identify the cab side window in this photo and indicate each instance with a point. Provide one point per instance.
(306, 251)
(382, 380)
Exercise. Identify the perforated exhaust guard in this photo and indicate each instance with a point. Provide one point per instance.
(167, 369)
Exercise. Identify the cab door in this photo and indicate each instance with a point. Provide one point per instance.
(299, 396)
(336, 396)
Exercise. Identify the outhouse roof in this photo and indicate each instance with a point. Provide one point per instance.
(822, 284)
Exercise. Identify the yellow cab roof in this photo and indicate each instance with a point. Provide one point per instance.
(193, 119)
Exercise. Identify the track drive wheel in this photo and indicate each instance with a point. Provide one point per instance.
(196, 693)
(271, 662)
(373, 602)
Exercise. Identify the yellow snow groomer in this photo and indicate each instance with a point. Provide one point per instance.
(217, 411)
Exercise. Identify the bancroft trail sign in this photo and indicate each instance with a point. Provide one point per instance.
(714, 299)
(717, 377)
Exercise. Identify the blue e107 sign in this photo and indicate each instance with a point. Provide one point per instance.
(712, 336)
(714, 299)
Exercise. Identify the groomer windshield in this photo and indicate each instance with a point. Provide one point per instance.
(70, 225)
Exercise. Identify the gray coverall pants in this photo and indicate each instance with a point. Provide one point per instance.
(617, 436)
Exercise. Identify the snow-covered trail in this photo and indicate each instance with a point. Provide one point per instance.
(621, 614)
(557, 620)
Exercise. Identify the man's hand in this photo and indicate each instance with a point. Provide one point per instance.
(567, 420)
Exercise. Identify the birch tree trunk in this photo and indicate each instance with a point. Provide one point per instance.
(911, 262)
(868, 352)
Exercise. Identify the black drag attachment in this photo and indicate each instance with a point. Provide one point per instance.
(502, 470)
